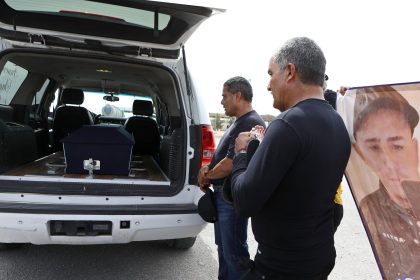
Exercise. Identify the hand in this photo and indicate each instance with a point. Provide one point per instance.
(203, 181)
(241, 142)
(342, 90)
(258, 132)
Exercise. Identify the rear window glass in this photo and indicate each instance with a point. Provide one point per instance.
(123, 108)
(40, 93)
(11, 78)
(91, 9)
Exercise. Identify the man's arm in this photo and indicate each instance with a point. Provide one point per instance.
(224, 167)
(203, 182)
(252, 186)
(221, 170)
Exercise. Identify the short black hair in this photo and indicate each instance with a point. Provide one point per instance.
(387, 103)
(331, 97)
(241, 84)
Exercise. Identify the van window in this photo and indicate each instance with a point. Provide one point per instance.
(11, 78)
(38, 97)
(94, 10)
(122, 108)
(53, 104)
(40, 93)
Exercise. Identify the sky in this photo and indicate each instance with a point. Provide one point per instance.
(365, 43)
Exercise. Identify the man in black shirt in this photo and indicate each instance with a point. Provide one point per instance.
(230, 229)
(288, 188)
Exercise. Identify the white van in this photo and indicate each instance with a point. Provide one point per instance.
(102, 132)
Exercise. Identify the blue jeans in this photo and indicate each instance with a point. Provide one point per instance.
(230, 233)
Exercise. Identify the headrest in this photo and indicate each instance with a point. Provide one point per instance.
(72, 96)
(142, 107)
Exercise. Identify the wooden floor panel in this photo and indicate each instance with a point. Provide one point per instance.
(142, 167)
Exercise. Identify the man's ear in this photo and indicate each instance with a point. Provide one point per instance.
(290, 71)
(238, 95)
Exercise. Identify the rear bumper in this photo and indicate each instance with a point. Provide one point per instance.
(85, 209)
(35, 228)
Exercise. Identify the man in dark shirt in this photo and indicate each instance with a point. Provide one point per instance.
(289, 186)
(230, 229)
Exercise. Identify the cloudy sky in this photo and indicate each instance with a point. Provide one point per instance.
(365, 43)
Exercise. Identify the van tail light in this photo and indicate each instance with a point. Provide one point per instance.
(208, 144)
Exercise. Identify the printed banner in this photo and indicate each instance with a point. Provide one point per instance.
(383, 172)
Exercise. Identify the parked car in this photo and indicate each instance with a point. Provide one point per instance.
(80, 83)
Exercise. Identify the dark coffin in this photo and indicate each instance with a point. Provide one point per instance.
(110, 144)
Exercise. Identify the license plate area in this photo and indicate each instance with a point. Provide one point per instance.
(80, 228)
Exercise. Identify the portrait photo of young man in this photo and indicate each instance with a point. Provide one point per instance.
(383, 173)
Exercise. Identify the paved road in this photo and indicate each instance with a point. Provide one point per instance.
(149, 260)
(154, 260)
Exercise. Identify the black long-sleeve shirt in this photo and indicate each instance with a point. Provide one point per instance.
(289, 186)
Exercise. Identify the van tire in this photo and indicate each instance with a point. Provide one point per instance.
(181, 243)
(8, 246)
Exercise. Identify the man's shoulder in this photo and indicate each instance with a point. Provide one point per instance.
(310, 111)
(245, 123)
(253, 117)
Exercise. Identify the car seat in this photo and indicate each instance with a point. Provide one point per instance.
(67, 117)
(144, 129)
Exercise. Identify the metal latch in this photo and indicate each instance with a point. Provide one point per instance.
(144, 52)
(36, 38)
(90, 165)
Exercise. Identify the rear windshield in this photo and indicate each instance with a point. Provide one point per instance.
(121, 108)
(95, 102)
(92, 9)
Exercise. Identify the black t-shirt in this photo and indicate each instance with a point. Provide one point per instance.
(226, 146)
(289, 186)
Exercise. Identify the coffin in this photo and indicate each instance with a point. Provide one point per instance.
(111, 145)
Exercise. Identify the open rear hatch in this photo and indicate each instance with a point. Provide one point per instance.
(129, 27)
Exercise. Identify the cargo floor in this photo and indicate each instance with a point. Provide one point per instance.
(142, 167)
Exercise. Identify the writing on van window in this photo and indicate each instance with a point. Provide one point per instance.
(11, 78)
(5, 86)
(8, 74)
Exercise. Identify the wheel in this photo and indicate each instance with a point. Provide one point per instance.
(181, 243)
(8, 246)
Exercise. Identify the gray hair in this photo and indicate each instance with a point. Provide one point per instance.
(306, 56)
(241, 84)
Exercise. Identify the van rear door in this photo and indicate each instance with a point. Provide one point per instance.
(134, 27)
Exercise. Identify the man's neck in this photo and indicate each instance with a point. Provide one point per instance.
(244, 110)
(303, 92)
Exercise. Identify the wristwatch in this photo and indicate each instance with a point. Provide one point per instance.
(242, 151)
